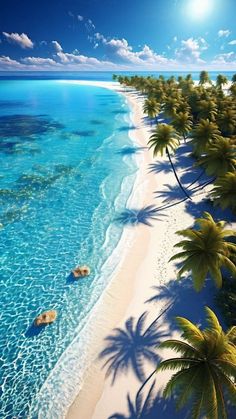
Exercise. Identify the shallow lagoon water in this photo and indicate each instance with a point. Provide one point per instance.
(62, 178)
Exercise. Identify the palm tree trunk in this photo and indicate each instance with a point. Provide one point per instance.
(173, 168)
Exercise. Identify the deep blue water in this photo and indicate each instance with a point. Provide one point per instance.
(63, 179)
(101, 75)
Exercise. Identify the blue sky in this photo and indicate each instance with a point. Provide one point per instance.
(117, 35)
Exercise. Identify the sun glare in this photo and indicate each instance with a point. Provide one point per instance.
(199, 8)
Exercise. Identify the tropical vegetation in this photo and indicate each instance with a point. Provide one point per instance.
(205, 251)
(206, 368)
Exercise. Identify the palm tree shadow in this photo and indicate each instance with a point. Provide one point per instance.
(125, 151)
(136, 216)
(150, 407)
(196, 209)
(186, 302)
(129, 347)
(160, 166)
(172, 193)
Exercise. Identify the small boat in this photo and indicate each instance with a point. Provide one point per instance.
(45, 318)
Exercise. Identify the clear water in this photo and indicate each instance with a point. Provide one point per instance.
(62, 179)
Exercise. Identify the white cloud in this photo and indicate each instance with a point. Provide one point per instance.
(224, 32)
(57, 46)
(232, 42)
(119, 51)
(175, 39)
(43, 43)
(22, 40)
(38, 61)
(8, 63)
(190, 51)
(80, 18)
(228, 57)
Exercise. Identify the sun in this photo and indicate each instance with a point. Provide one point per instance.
(198, 9)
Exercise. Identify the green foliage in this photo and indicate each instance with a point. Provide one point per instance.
(164, 136)
(151, 108)
(227, 121)
(221, 80)
(224, 191)
(204, 77)
(182, 122)
(220, 157)
(205, 251)
(206, 368)
(203, 134)
(226, 301)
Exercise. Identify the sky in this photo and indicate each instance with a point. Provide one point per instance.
(116, 35)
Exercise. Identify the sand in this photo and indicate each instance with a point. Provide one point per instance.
(144, 263)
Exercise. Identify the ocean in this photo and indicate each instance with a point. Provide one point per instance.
(67, 170)
(101, 75)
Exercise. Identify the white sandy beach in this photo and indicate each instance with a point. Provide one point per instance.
(144, 264)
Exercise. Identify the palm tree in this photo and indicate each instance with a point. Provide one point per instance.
(161, 140)
(221, 80)
(182, 122)
(205, 250)
(206, 368)
(151, 107)
(203, 134)
(224, 191)
(204, 77)
(207, 109)
(227, 121)
(220, 158)
(170, 106)
(234, 78)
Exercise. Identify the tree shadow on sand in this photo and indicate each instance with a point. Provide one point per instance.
(129, 347)
(151, 406)
(196, 209)
(186, 301)
(160, 166)
(172, 193)
(134, 216)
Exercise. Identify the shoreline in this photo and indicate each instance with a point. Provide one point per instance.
(125, 243)
(105, 307)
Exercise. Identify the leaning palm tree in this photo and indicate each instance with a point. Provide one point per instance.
(182, 122)
(161, 140)
(206, 368)
(203, 134)
(224, 191)
(205, 251)
(220, 157)
(151, 108)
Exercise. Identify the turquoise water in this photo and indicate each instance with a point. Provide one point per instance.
(104, 75)
(64, 175)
